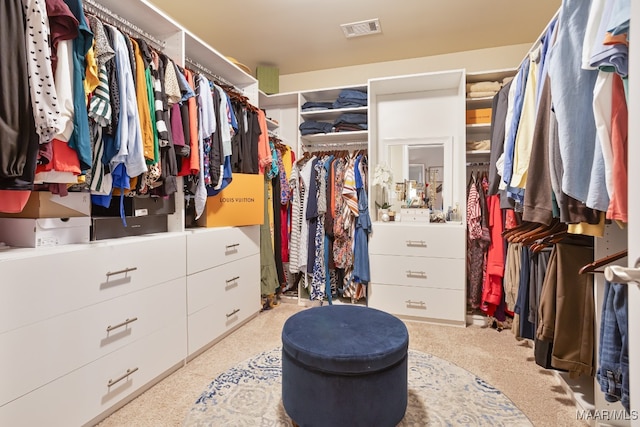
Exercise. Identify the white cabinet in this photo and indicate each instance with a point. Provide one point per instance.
(74, 318)
(418, 268)
(418, 271)
(223, 286)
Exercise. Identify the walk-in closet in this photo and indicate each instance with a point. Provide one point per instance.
(165, 208)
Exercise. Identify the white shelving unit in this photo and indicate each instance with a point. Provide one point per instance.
(116, 316)
(334, 139)
(421, 110)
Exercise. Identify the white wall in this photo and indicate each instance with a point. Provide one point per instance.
(475, 60)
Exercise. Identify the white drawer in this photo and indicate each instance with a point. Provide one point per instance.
(39, 287)
(208, 287)
(427, 240)
(74, 339)
(77, 398)
(210, 247)
(228, 305)
(425, 303)
(447, 273)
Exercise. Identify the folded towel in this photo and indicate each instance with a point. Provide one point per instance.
(484, 144)
(506, 80)
(484, 87)
(480, 94)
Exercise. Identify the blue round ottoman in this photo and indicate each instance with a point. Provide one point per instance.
(344, 365)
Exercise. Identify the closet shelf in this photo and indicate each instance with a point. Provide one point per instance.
(472, 152)
(479, 128)
(483, 99)
(474, 103)
(330, 114)
(272, 124)
(336, 137)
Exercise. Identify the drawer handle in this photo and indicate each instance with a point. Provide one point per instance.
(124, 271)
(418, 303)
(419, 243)
(233, 313)
(120, 378)
(420, 274)
(120, 325)
(230, 247)
(232, 279)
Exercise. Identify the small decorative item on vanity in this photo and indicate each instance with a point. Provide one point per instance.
(383, 211)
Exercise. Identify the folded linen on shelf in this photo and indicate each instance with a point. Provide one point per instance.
(484, 144)
(484, 87)
(481, 94)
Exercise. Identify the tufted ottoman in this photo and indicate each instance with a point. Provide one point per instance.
(344, 365)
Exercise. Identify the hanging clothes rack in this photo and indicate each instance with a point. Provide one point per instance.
(340, 146)
(478, 164)
(210, 74)
(110, 17)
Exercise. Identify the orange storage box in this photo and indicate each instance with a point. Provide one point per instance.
(479, 116)
(241, 203)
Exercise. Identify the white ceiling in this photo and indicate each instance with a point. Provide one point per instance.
(305, 35)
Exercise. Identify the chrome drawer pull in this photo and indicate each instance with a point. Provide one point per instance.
(419, 243)
(123, 376)
(419, 303)
(233, 313)
(230, 247)
(120, 325)
(125, 271)
(420, 274)
(233, 279)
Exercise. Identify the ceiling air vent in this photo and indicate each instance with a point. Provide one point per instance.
(362, 28)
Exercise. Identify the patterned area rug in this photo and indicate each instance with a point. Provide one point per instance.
(440, 394)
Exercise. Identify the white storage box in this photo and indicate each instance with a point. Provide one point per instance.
(415, 215)
(43, 204)
(41, 232)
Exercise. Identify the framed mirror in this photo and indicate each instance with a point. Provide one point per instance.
(425, 161)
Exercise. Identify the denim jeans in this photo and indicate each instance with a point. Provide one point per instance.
(316, 106)
(613, 353)
(313, 127)
(352, 118)
(349, 98)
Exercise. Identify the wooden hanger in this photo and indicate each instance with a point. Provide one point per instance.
(524, 227)
(540, 233)
(593, 266)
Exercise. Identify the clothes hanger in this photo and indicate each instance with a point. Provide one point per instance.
(593, 266)
(520, 228)
(546, 231)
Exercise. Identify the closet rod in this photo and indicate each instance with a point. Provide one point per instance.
(479, 164)
(336, 146)
(211, 74)
(539, 39)
(110, 17)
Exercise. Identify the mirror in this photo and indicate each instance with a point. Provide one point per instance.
(424, 165)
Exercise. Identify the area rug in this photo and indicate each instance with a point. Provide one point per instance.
(440, 394)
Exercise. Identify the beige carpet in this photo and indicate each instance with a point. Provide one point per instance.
(496, 357)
